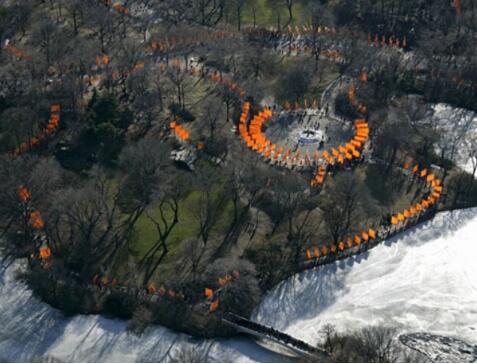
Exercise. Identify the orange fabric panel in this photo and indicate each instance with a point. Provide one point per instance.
(23, 193)
(308, 254)
(316, 252)
(36, 220)
(45, 252)
(151, 289)
(214, 306)
(209, 293)
(349, 242)
(372, 233)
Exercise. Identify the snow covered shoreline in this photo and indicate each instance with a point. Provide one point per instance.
(422, 280)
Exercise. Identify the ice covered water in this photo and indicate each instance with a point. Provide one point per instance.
(424, 280)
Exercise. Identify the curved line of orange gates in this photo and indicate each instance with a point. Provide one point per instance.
(256, 140)
(398, 222)
(37, 224)
(47, 131)
(314, 257)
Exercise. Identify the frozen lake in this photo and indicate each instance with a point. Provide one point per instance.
(423, 280)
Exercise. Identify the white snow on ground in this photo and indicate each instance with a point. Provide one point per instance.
(32, 330)
(459, 133)
(425, 280)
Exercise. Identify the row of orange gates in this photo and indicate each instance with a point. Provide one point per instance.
(211, 295)
(168, 44)
(179, 130)
(48, 130)
(18, 53)
(35, 221)
(397, 221)
(391, 41)
(435, 185)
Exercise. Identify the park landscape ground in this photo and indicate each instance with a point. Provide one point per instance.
(133, 235)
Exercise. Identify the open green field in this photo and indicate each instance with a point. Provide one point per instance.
(266, 16)
(146, 234)
(188, 226)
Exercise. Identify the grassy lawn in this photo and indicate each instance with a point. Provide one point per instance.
(266, 16)
(188, 227)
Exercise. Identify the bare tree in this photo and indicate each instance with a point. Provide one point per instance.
(289, 5)
(211, 201)
(374, 344)
(340, 205)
